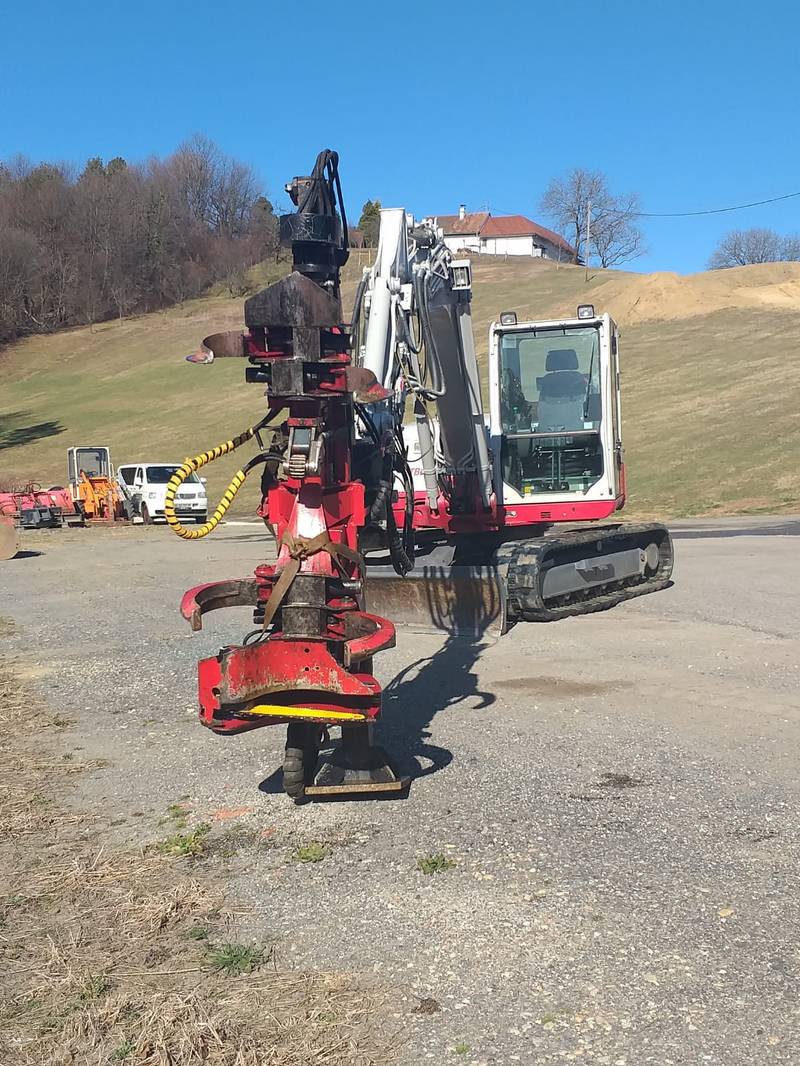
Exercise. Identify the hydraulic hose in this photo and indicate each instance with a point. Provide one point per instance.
(190, 466)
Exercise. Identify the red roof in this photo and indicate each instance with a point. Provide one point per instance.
(472, 223)
(519, 226)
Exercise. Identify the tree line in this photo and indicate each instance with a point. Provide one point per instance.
(741, 247)
(115, 238)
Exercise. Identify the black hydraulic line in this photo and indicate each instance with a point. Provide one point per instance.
(403, 560)
(414, 346)
(358, 302)
(401, 545)
(324, 191)
(367, 422)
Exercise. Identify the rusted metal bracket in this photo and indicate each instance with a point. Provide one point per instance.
(235, 592)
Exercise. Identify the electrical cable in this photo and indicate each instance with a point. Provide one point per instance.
(689, 214)
(709, 211)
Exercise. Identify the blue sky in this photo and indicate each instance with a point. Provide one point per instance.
(694, 105)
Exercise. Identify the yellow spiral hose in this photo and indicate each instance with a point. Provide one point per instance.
(191, 466)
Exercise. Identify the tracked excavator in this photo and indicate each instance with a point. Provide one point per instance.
(393, 496)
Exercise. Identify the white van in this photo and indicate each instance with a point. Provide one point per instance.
(147, 484)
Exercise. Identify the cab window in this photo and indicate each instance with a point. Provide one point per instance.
(550, 405)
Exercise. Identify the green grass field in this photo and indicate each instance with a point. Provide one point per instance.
(711, 401)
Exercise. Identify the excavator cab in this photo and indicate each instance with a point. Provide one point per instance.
(555, 417)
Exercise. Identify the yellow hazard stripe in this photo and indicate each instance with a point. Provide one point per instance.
(277, 711)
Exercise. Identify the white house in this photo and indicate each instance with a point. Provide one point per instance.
(502, 235)
(462, 232)
(517, 235)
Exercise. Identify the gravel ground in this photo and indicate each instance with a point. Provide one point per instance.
(617, 794)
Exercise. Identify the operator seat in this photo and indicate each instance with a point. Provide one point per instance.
(562, 392)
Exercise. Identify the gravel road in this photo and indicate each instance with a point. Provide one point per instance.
(618, 795)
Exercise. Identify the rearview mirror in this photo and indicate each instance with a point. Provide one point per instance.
(204, 480)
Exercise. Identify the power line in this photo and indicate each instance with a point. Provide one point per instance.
(690, 214)
(710, 211)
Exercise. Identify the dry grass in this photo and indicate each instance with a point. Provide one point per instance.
(100, 961)
(704, 363)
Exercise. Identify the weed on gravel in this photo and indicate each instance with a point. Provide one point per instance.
(313, 852)
(177, 814)
(190, 845)
(104, 952)
(435, 864)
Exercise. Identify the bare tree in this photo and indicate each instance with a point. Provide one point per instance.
(195, 166)
(565, 203)
(233, 194)
(741, 247)
(790, 250)
(116, 239)
(615, 238)
(19, 268)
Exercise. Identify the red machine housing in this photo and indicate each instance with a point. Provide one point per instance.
(33, 506)
(495, 519)
(316, 663)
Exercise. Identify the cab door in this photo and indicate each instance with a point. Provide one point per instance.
(139, 482)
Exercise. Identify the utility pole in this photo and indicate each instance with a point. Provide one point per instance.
(588, 237)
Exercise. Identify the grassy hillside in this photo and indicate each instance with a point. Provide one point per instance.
(710, 395)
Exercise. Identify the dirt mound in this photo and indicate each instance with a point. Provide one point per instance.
(666, 297)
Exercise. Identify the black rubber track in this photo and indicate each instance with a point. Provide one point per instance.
(522, 566)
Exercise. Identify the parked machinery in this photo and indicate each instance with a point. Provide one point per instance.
(32, 507)
(94, 491)
(482, 505)
(92, 494)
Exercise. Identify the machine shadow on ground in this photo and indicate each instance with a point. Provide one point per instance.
(411, 701)
(419, 692)
(462, 608)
